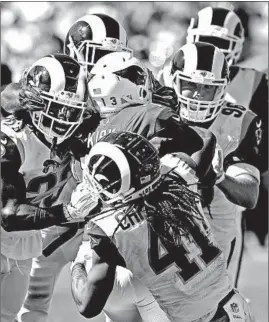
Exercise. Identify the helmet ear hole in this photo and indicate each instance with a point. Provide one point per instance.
(144, 93)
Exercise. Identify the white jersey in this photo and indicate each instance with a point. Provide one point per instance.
(45, 180)
(230, 128)
(130, 300)
(188, 282)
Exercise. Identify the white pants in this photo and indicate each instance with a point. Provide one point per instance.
(44, 274)
(14, 284)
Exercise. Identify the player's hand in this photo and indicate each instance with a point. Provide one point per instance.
(84, 254)
(74, 53)
(158, 141)
(30, 98)
(179, 166)
(217, 164)
(82, 202)
(165, 96)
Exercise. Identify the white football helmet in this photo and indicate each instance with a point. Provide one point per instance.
(200, 63)
(220, 27)
(117, 81)
(63, 86)
(93, 36)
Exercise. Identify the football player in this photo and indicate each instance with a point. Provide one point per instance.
(200, 75)
(121, 88)
(156, 223)
(36, 173)
(248, 87)
(140, 114)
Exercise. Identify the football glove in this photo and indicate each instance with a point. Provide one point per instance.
(30, 99)
(180, 167)
(82, 203)
(165, 96)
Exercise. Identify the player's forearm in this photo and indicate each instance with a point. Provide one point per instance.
(10, 98)
(242, 190)
(91, 291)
(26, 217)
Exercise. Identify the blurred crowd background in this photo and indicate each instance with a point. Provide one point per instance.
(30, 30)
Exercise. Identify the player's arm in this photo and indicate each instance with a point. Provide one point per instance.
(18, 97)
(196, 142)
(92, 287)
(241, 175)
(16, 214)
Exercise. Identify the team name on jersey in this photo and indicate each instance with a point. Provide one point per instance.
(98, 135)
(130, 220)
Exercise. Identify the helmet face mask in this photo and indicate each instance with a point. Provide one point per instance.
(58, 120)
(221, 28)
(199, 75)
(118, 81)
(64, 92)
(110, 170)
(89, 39)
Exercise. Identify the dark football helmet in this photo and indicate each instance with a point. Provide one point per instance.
(93, 36)
(122, 166)
(199, 64)
(220, 27)
(63, 88)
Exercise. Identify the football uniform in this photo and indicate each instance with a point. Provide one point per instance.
(249, 88)
(130, 300)
(188, 284)
(152, 120)
(48, 182)
(238, 132)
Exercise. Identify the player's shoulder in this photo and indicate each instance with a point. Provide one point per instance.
(244, 72)
(150, 112)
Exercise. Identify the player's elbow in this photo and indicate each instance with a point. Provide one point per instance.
(251, 201)
(89, 311)
(250, 198)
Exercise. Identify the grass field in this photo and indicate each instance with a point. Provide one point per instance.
(253, 284)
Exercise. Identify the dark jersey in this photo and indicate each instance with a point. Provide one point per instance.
(153, 121)
(249, 88)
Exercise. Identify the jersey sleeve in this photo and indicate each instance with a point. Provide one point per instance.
(248, 151)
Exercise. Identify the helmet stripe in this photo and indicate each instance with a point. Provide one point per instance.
(205, 57)
(205, 17)
(189, 51)
(97, 27)
(231, 22)
(217, 64)
(111, 25)
(56, 72)
(219, 17)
